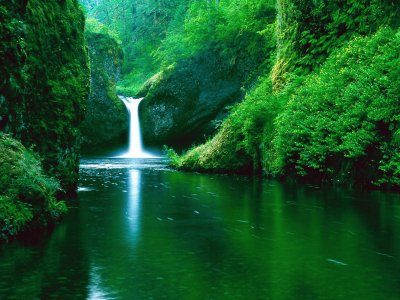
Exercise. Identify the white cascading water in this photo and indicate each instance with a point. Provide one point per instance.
(135, 136)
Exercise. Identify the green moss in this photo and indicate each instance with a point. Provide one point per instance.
(106, 116)
(238, 146)
(27, 195)
(44, 80)
(95, 27)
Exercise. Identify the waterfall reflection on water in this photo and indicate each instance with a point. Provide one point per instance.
(133, 211)
(144, 231)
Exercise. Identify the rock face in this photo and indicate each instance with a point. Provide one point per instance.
(44, 81)
(184, 104)
(106, 115)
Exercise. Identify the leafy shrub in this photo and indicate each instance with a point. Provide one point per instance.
(340, 123)
(308, 31)
(27, 196)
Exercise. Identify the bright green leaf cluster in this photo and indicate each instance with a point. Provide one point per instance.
(339, 124)
(27, 195)
(341, 120)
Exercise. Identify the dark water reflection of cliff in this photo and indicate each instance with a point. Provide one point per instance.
(142, 231)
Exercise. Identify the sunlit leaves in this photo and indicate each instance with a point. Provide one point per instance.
(344, 112)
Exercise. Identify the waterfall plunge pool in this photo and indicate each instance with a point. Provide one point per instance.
(142, 231)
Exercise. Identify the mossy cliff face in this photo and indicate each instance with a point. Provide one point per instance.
(44, 81)
(106, 115)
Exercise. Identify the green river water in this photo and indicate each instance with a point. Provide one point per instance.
(142, 231)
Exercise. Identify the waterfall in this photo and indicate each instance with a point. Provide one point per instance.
(135, 149)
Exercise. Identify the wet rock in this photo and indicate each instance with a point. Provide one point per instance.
(106, 115)
(185, 103)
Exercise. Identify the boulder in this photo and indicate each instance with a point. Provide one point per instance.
(185, 103)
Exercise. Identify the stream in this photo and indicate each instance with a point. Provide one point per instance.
(140, 230)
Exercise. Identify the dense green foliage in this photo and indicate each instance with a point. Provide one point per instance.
(219, 56)
(239, 144)
(339, 124)
(27, 195)
(320, 80)
(141, 26)
(44, 80)
(308, 31)
(234, 29)
(105, 118)
(156, 34)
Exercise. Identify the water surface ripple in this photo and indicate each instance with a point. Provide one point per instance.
(143, 231)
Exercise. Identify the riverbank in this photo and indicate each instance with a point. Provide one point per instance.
(338, 125)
